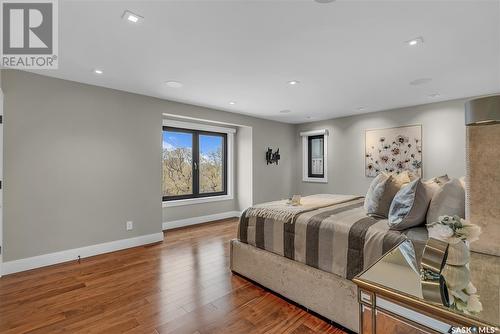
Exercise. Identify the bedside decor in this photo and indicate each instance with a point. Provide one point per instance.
(295, 200)
(453, 229)
(458, 233)
(391, 299)
(482, 117)
(433, 283)
(393, 150)
(272, 157)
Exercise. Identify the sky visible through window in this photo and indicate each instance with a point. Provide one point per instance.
(173, 140)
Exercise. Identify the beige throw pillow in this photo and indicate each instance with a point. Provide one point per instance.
(381, 192)
(448, 200)
(434, 184)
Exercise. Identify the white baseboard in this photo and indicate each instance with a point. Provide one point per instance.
(199, 220)
(15, 266)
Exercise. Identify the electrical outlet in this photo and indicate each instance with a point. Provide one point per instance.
(130, 225)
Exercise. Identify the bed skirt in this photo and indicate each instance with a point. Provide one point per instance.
(327, 294)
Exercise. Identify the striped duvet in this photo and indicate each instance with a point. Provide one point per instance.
(340, 239)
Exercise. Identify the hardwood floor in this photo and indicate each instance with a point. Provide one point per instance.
(182, 285)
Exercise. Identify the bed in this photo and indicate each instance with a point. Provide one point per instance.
(309, 255)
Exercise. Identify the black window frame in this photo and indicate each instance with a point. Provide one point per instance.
(196, 166)
(309, 156)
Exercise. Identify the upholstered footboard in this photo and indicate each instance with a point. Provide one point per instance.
(324, 293)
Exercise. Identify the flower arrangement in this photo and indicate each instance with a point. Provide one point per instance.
(457, 232)
(453, 229)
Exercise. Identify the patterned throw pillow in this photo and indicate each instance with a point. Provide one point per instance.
(409, 207)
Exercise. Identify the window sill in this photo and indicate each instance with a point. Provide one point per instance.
(315, 180)
(190, 201)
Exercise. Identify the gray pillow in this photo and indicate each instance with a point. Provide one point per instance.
(374, 193)
(448, 200)
(381, 192)
(409, 206)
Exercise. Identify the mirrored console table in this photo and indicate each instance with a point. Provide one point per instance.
(391, 299)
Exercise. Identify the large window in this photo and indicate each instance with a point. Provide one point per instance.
(314, 156)
(194, 163)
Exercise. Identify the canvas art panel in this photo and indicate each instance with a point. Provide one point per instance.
(393, 150)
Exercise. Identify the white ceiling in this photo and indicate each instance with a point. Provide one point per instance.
(346, 54)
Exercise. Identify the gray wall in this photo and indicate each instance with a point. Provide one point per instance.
(81, 160)
(244, 177)
(443, 137)
(1, 161)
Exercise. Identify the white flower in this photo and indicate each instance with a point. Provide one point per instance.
(474, 305)
(440, 232)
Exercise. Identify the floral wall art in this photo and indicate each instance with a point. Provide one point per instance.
(393, 150)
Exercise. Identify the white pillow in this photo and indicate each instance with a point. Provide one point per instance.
(448, 200)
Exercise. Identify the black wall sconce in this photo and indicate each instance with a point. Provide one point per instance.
(272, 157)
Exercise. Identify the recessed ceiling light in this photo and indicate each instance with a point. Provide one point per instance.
(415, 41)
(434, 95)
(98, 71)
(420, 81)
(132, 17)
(361, 108)
(286, 111)
(174, 84)
(324, 1)
(293, 82)
(232, 103)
